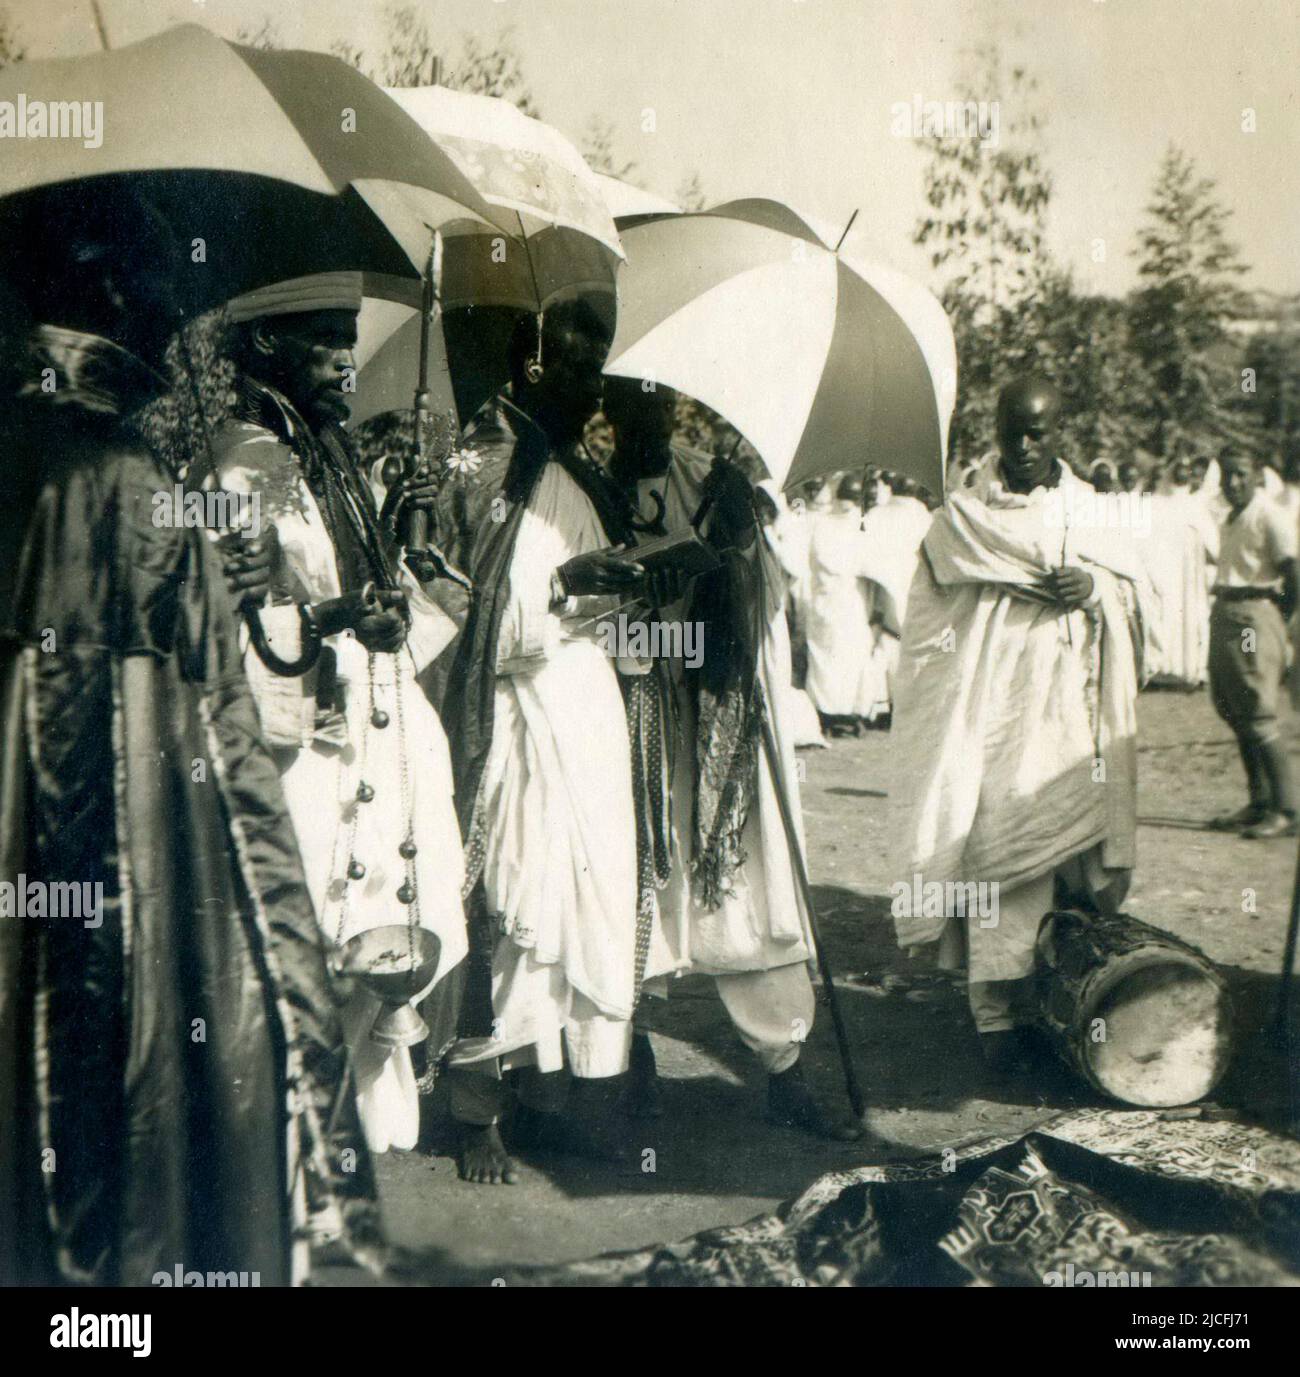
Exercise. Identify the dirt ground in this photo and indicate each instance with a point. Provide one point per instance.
(716, 1161)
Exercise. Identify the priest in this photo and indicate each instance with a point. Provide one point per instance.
(172, 1069)
(728, 904)
(544, 785)
(1015, 716)
(362, 755)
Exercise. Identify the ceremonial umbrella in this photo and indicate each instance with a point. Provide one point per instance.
(821, 365)
(625, 200)
(268, 165)
(565, 246)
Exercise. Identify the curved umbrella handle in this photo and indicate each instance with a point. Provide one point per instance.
(287, 669)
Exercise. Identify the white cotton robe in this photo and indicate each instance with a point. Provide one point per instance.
(1015, 725)
(560, 854)
(407, 764)
(1176, 552)
(847, 673)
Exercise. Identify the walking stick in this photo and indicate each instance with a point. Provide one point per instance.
(805, 891)
(796, 850)
(1281, 1017)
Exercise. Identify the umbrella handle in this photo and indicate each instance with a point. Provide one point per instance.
(286, 669)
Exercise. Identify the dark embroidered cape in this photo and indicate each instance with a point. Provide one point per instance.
(172, 1057)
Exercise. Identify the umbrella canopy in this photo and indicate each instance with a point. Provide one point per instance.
(269, 158)
(538, 183)
(819, 364)
(387, 354)
(625, 200)
(567, 246)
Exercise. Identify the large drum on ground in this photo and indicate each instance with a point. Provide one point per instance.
(1143, 1017)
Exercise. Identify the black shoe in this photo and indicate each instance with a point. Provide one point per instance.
(1269, 826)
(1248, 816)
(1007, 1054)
(790, 1103)
(644, 1099)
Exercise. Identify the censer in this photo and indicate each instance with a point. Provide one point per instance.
(394, 962)
(397, 961)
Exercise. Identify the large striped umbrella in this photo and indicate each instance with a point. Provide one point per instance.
(820, 364)
(268, 158)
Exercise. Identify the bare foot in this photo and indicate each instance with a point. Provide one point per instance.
(481, 1156)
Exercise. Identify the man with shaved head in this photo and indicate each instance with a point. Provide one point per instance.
(1014, 717)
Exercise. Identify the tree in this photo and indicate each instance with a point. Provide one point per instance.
(411, 58)
(263, 35)
(987, 203)
(597, 146)
(11, 50)
(988, 198)
(1187, 270)
(492, 71)
(690, 192)
(1269, 398)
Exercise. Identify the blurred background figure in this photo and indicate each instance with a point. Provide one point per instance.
(846, 680)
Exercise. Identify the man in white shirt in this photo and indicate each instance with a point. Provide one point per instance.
(1255, 594)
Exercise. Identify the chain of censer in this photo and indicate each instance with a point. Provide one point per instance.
(408, 893)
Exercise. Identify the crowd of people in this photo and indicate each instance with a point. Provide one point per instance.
(235, 732)
(298, 762)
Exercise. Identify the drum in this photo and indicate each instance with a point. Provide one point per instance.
(1143, 1017)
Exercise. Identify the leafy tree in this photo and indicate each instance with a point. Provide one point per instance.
(690, 193)
(988, 202)
(11, 50)
(1187, 268)
(412, 58)
(597, 146)
(1270, 391)
(984, 226)
(263, 35)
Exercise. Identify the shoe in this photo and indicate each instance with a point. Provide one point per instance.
(1243, 817)
(643, 1099)
(1007, 1053)
(1271, 825)
(790, 1103)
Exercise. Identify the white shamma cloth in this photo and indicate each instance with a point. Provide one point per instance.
(325, 756)
(1015, 722)
(560, 853)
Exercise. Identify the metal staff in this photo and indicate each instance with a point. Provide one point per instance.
(418, 559)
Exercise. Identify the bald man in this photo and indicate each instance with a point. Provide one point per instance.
(1014, 718)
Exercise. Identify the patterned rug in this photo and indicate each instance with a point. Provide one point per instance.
(1098, 1197)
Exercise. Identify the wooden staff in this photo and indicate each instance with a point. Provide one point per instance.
(1281, 1018)
(851, 1084)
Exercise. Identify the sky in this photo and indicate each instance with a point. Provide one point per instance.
(796, 99)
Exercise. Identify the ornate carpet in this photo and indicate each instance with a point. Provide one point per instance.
(1098, 1197)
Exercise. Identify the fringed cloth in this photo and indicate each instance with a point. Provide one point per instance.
(729, 708)
(652, 730)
